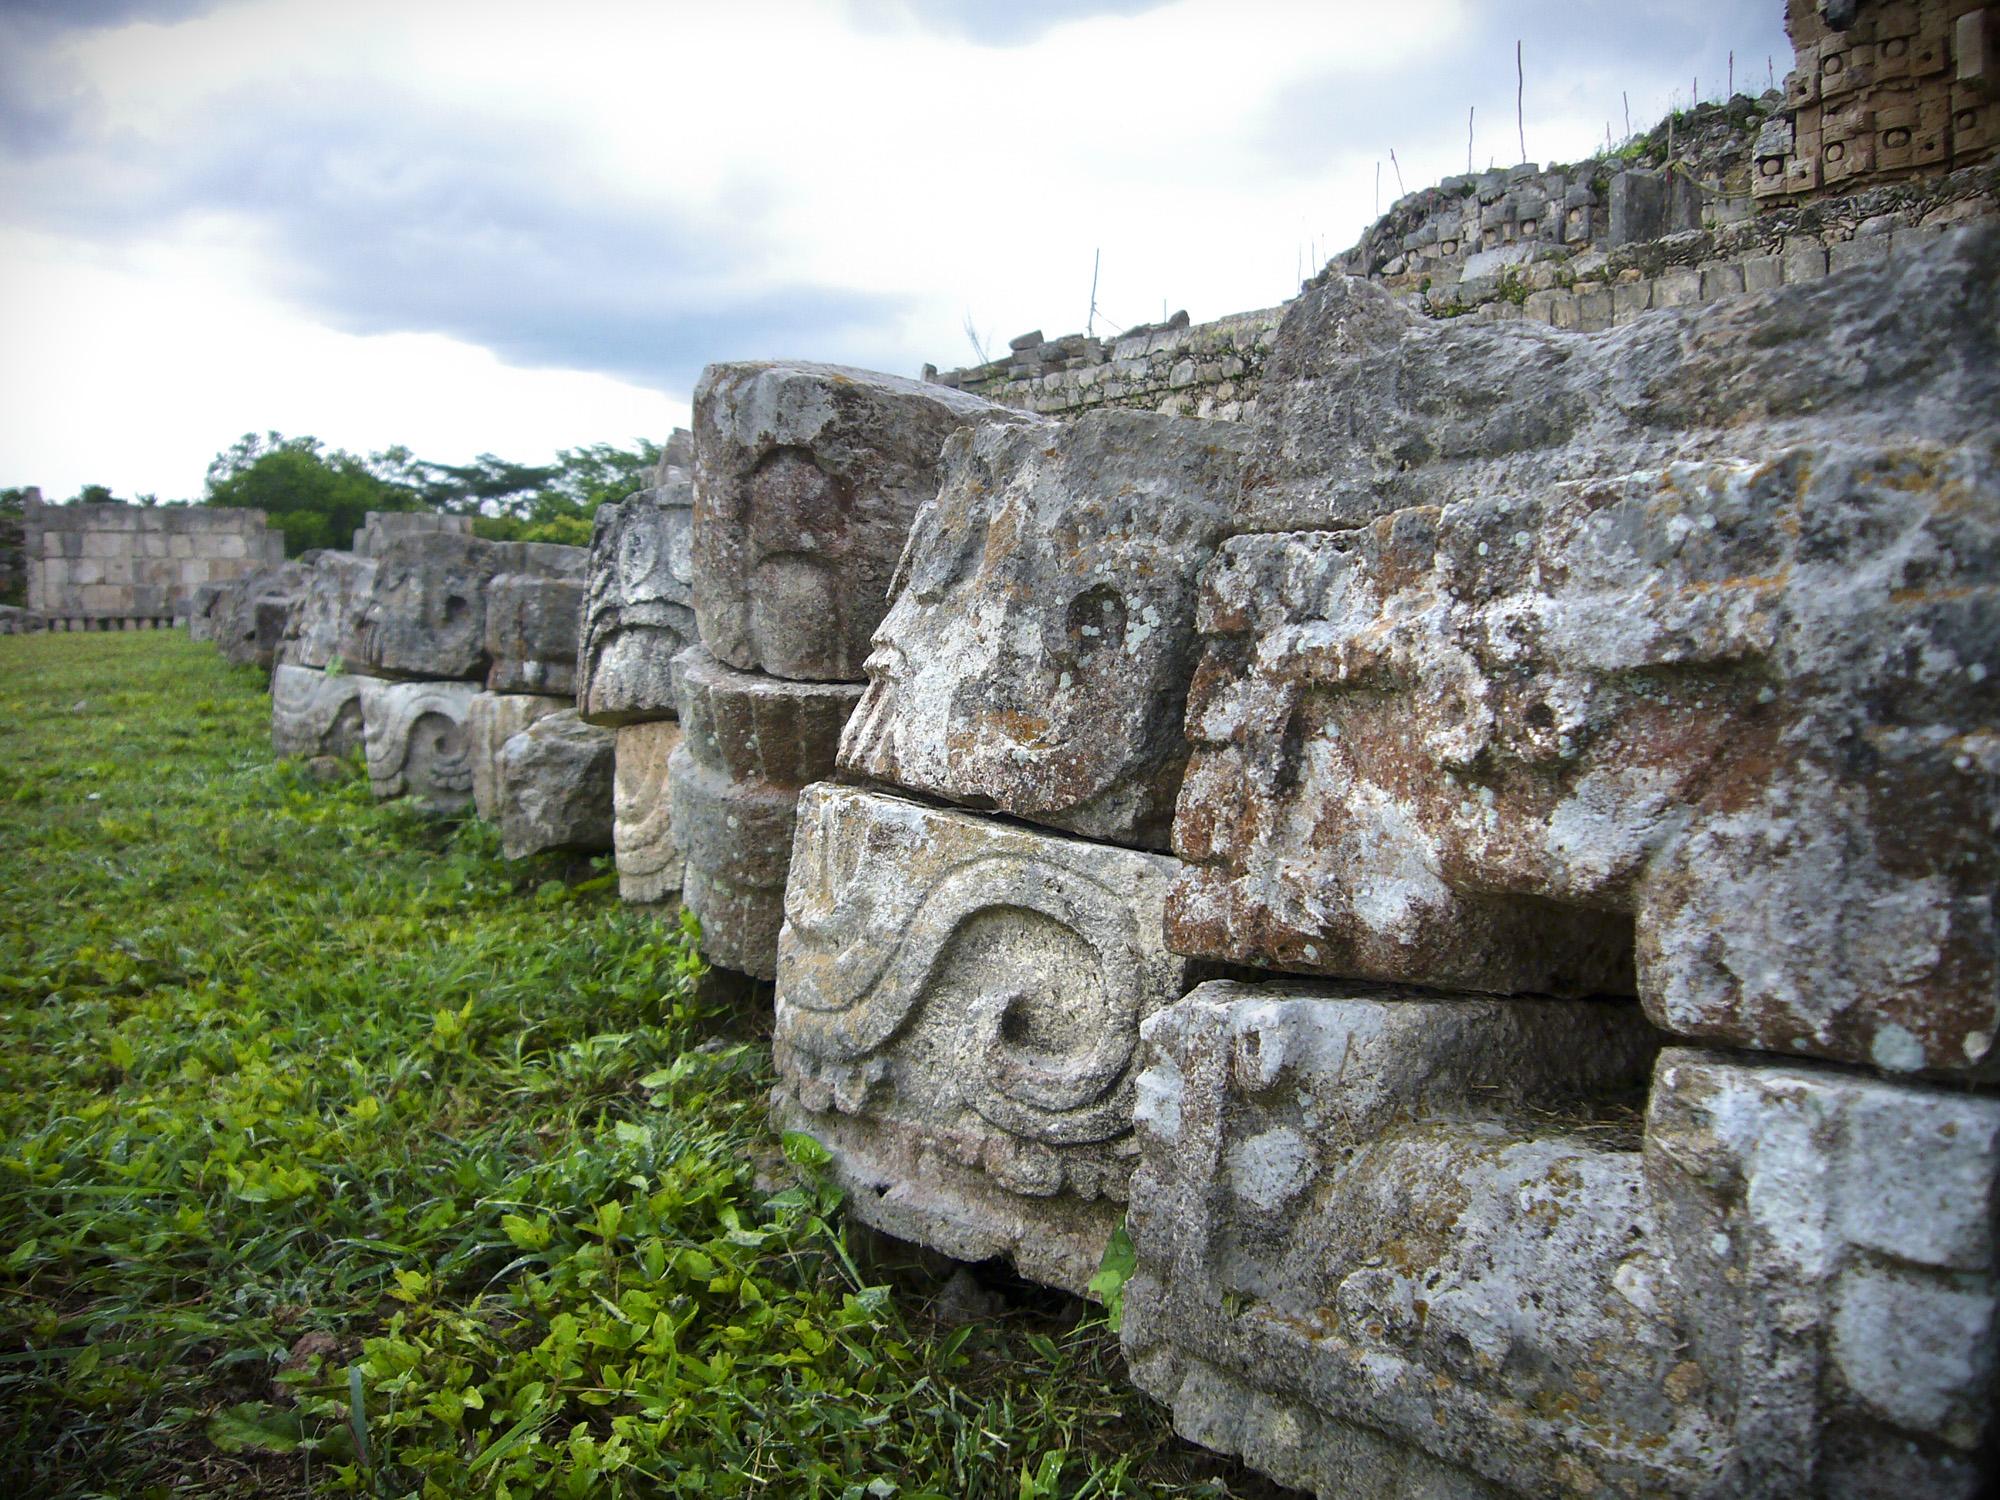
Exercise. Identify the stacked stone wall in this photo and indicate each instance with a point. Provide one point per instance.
(1176, 368)
(114, 566)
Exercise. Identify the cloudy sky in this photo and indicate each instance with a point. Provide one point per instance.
(514, 227)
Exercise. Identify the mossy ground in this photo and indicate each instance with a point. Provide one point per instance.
(342, 1155)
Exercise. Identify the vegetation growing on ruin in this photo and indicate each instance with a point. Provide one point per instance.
(341, 1155)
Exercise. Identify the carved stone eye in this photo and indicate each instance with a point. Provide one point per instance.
(1095, 621)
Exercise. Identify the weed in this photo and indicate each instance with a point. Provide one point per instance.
(342, 1155)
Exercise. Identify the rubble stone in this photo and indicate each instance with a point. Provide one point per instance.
(958, 1007)
(1750, 703)
(531, 630)
(315, 716)
(555, 787)
(491, 721)
(749, 743)
(638, 609)
(806, 480)
(1037, 655)
(650, 862)
(414, 736)
(1395, 1245)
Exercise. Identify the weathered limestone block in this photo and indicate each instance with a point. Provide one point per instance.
(958, 1008)
(749, 742)
(314, 716)
(1754, 705)
(204, 607)
(381, 527)
(650, 862)
(531, 628)
(638, 608)
(424, 610)
(415, 739)
(1388, 1246)
(806, 480)
(1037, 656)
(555, 787)
(491, 721)
(318, 629)
(1369, 408)
(250, 615)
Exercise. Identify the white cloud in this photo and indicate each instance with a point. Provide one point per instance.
(147, 364)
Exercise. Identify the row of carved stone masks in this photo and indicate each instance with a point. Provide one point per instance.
(1498, 661)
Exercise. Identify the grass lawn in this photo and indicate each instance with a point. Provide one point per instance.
(339, 1154)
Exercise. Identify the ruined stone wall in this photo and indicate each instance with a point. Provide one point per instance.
(1881, 91)
(1178, 368)
(1685, 214)
(98, 567)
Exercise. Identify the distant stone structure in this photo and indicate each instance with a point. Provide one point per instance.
(130, 567)
(1881, 91)
(1886, 134)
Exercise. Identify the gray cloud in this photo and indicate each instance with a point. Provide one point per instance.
(384, 214)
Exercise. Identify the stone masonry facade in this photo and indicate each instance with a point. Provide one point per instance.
(127, 567)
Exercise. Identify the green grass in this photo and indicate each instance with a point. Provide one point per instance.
(341, 1155)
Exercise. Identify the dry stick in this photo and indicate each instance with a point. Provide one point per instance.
(1628, 113)
(1732, 76)
(1520, 91)
(1468, 138)
(1400, 189)
(1090, 323)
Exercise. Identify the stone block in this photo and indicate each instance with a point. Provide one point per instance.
(1629, 299)
(1763, 273)
(749, 743)
(423, 613)
(379, 528)
(1746, 705)
(1721, 281)
(1804, 261)
(638, 608)
(252, 612)
(806, 480)
(1593, 309)
(1678, 286)
(531, 634)
(555, 787)
(650, 863)
(314, 716)
(203, 610)
(958, 1008)
(316, 632)
(1415, 1246)
(415, 739)
(1037, 655)
(1862, 250)
(1366, 408)
(491, 721)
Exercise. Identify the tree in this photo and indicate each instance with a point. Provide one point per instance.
(94, 494)
(316, 497)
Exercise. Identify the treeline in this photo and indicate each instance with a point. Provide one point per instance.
(319, 496)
